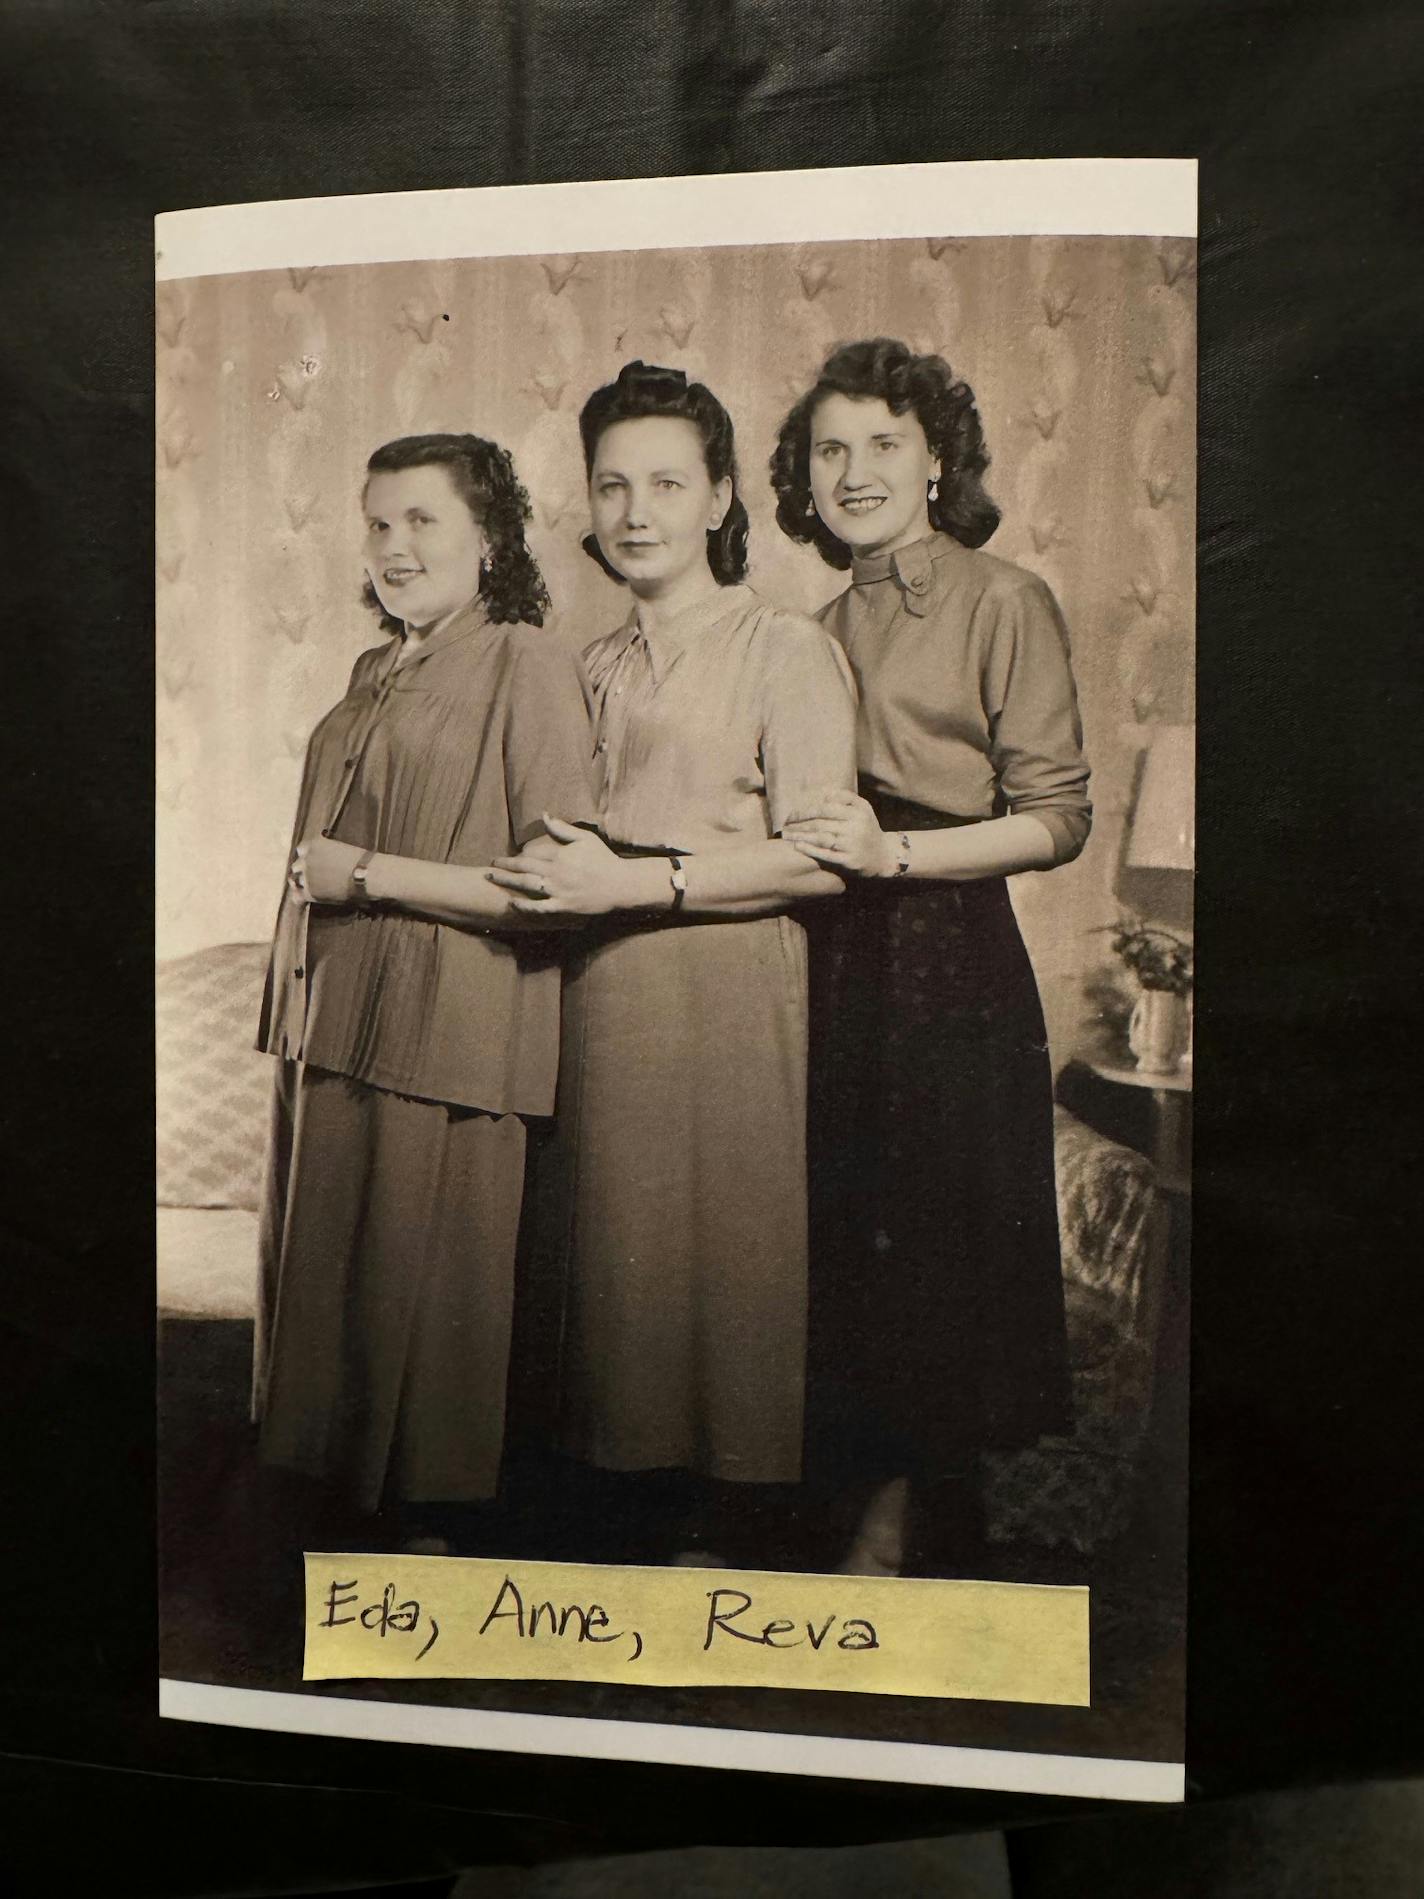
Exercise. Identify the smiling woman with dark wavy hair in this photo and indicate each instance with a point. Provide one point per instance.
(937, 1295)
(412, 1044)
(482, 474)
(922, 386)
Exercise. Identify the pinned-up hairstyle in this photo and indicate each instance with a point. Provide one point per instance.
(641, 390)
(942, 405)
(482, 472)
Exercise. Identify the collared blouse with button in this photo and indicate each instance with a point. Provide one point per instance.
(716, 725)
(967, 696)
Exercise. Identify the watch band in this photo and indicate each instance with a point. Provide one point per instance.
(358, 871)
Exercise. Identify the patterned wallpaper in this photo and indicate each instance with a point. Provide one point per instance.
(274, 387)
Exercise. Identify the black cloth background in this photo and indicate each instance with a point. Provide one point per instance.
(1305, 1649)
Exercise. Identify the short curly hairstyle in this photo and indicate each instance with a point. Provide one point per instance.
(643, 389)
(942, 405)
(511, 584)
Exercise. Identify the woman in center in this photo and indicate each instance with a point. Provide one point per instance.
(682, 1078)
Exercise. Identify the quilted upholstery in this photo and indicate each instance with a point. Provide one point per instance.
(1079, 1491)
(214, 1088)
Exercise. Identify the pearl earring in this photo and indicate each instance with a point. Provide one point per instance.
(810, 509)
(934, 488)
(485, 563)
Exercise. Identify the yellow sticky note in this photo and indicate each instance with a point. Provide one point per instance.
(426, 1617)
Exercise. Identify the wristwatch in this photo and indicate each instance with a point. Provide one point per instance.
(358, 873)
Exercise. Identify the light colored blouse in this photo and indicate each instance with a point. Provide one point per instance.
(967, 700)
(715, 726)
(451, 757)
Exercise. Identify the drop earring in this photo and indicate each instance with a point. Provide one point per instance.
(934, 488)
(810, 509)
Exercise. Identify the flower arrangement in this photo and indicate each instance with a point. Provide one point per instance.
(1159, 959)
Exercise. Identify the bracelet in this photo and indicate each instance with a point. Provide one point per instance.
(902, 855)
(679, 884)
(358, 875)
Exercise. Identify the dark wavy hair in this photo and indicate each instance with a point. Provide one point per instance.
(641, 390)
(511, 585)
(942, 405)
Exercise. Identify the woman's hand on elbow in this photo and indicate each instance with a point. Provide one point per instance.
(843, 834)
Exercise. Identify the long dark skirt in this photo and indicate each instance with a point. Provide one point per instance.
(386, 1293)
(937, 1320)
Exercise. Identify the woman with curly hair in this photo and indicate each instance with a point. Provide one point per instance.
(938, 1323)
(414, 1039)
(682, 1091)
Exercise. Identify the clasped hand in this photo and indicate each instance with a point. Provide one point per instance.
(841, 831)
(569, 871)
(320, 871)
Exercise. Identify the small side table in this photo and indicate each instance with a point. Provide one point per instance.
(1171, 1152)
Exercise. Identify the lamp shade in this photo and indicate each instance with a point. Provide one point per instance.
(1162, 833)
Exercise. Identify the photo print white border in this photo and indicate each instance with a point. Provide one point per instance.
(1047, 197)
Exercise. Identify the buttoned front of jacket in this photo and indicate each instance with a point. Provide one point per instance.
(451, 756)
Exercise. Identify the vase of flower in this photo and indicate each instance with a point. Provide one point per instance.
(1159, 1031)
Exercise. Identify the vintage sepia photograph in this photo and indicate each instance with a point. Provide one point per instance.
(675, 838)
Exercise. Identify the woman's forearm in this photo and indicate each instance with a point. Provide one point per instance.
(747, 881)
(1000, 847)
(449, 893)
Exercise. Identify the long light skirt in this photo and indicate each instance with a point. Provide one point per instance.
(682, 1103)
(386, 1292)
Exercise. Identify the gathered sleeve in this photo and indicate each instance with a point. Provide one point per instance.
(808, 719)
(548, 738)
(1031, 701)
